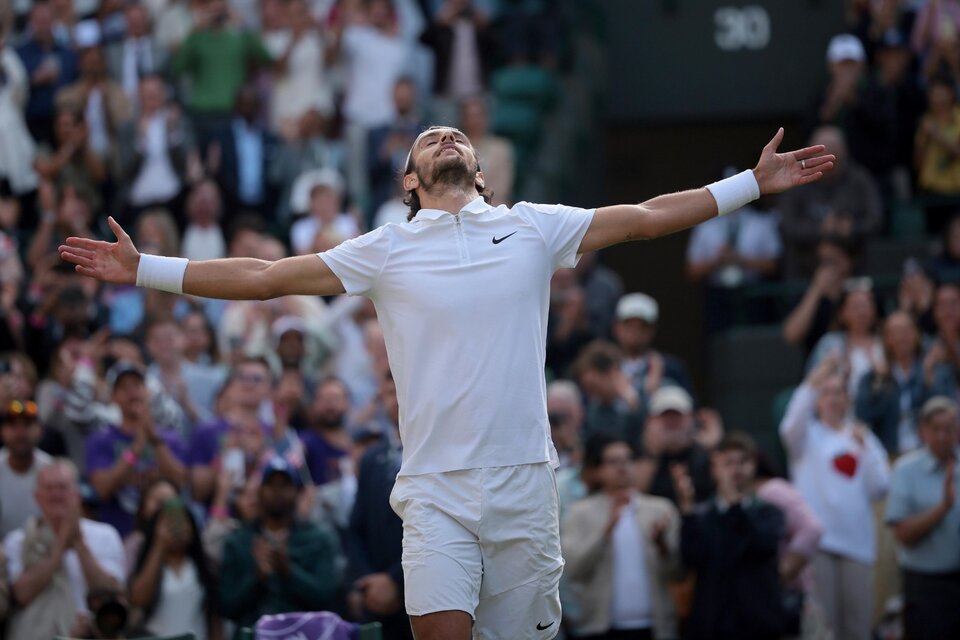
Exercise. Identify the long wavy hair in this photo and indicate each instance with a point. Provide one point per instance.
(412, 199)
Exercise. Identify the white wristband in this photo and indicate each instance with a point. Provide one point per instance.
(160, 272)
(734, 192)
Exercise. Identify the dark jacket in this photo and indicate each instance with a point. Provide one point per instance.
(310, 585)
(734, 554)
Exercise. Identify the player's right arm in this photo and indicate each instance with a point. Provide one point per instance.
(226, 278)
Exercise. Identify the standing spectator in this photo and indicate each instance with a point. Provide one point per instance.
(155, 151)
(50, 66)
(622, 549)
(613, 405)
(568, 323)
(565, 414)
(732, 543)
(65, 396)
(70, 214)
(17, 147)
(302, 80)
(203, 238)
(936, 21)
(388, 144)
(602, 289)
(20, 462)
(218, 59)
(325, 223)
(102, 101)
(893, 391)
(846, 203)
(327, 443)
(635, 329)
(138, 55)
(246, 150)
(924, 516)
(373, 541)
(171, 581)
(308, 148)
(945, 346)
(123, 459)
(375, 56)
(937, 152)
(73, 161)
(494, 152)
(53, 560)
(152, 498)
(277, 564)
(840, 468)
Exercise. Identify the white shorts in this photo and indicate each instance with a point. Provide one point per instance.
(484, 541)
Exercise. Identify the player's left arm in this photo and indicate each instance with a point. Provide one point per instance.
(662, 215)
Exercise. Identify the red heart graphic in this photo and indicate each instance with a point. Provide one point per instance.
(846, 464)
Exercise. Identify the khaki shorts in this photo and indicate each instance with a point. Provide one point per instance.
(487, 542)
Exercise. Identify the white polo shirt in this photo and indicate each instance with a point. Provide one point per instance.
(463, 304)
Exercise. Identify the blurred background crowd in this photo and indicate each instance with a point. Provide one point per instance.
(173, 464)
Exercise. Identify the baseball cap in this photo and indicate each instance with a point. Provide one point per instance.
(123, 368)
(935, 405)
(670, 398)
(278, 464)
(310, 180)
(638, 305)
(845, 47)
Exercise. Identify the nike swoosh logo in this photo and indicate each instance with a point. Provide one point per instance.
(540, 625)
(497, 240)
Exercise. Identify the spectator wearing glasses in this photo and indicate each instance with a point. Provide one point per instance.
(20, 461)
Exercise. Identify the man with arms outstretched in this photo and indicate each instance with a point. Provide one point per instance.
(462, 292)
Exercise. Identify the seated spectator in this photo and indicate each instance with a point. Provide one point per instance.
(938, 141)
(565, 414)
(71, 214)
(801, 540)
(373, 540)
(53, 560)
(152, 498)
(302, 80)
(278, 563)
(602, 288)
(846, 203)
(155, 151)
(203, 238)
(319, 194)
(621, 549)
(924, 516)
(728, 252)
(171, 582)
(124, 458)
(137, 55)
(237, 438)
(327, 443)
(70, 160)
(16, 164)
(669, 439)
(840, 468)
(20, 462)
(893, 391)
(102, 101)
(915, 295)
(855, 334)
(945, 346)
(613, 406)
(200, 341)
(812, 316)
(232, 507)
(494, 152)
(935, 22)
(732, 544)
(50, 65)
(568, 323)
(635, 329)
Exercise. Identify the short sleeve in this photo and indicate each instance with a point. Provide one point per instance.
(359, 261)
(898, 500)
(109, 551)
(99, 453)
(13, 549)
(561, 227)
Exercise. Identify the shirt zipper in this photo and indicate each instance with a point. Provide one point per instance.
(461, 240)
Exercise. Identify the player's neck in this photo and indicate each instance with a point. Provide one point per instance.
(447, 198)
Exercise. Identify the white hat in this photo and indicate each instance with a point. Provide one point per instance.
(283, 324)
(670, 398)
(308, 181)
(638, 305)
(86, 34)
(845, 47)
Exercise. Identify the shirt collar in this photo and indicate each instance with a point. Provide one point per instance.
(934, 464)
(477, 205)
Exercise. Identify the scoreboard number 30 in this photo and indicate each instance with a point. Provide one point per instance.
(741, 28)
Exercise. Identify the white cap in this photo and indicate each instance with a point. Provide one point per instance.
(670, 398)
(845, 47)
(638, 305)
(308, 181)
(86, 34)
(283, 324)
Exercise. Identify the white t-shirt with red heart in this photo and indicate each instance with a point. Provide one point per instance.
(838, 476)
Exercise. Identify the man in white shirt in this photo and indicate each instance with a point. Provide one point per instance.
(462, 294)
(20, 461)
(53, 560)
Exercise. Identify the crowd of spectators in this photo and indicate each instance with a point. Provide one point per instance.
(173, 464)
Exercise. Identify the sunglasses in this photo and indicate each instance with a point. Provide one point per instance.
(20, 409)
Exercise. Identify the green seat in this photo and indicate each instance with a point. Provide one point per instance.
(779, 406)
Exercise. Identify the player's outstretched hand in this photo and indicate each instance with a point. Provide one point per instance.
(778, 172)
(114, 262)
